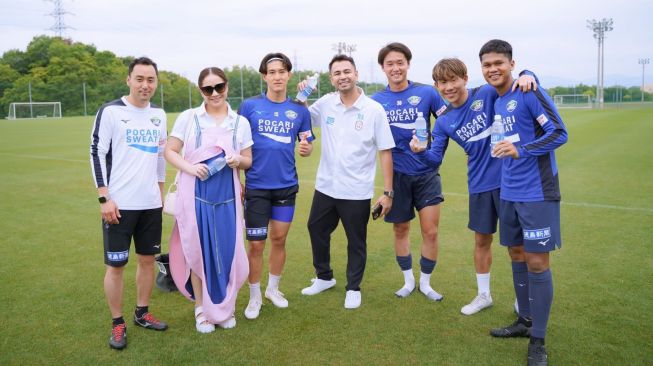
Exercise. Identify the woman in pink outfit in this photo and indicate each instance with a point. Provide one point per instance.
(207, 254)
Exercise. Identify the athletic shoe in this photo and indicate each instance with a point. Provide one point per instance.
(537, 355)
(431, 294)
(480, 302)
(228, 324)
(201, 323)
(276, 297)
(148, 321)
(253, 309)
(318, 286)
(515, 329)
(352, 299)
(118, 338)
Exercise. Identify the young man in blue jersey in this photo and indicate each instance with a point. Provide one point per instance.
(530, 194)
(467, 120)
(271, 183)
(416, 185)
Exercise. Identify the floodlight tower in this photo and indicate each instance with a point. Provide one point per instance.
(600, 27)
(643, 62)
(342, 48)
(59, 24)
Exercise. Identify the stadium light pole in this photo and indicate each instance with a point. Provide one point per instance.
(600, 27)
(643, 62)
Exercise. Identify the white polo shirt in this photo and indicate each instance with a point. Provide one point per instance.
(243, 135)
(350, 139)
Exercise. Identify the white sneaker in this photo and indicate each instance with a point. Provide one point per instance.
(276, 297)
(318, 286)
(352, 299)
(253, 309)
(228, 324)
(201, 324)
(480, 302)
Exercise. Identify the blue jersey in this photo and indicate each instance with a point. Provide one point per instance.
(469, 126)
(275, 129)
(534, 126)
(401, 109)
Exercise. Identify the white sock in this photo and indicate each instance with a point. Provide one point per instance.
(273, 281)
(425, 282)
(483, 282)
(255, 291)
(409, 279)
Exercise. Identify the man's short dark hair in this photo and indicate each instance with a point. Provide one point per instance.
(394, 47)
(496, 46)
(341, 57)
(142, 61)
(274, 56)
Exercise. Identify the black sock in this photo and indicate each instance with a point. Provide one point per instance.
(526, 321)
(140, 311)
(538, 341)
(117, 321)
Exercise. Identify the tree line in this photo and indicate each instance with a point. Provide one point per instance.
(82, 78)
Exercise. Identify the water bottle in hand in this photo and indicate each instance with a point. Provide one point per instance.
(497, 133)
(303, 94)
(421, 131)
(215, 166)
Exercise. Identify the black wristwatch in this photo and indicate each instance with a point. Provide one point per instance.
(390, 194)
(102, 199)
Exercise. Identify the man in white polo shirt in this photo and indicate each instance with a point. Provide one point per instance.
(353, 128)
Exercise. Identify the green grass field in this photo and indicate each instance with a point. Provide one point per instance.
(53, 309)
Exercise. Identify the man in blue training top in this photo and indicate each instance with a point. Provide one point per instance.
(271, 183)
(530, 194)
(467, 120)
(416, 185)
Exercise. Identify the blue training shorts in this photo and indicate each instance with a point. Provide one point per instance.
(535, 224)
(413, 191)
(484, 211)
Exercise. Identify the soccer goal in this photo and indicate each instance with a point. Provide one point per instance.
(573, 101)
(34, 110)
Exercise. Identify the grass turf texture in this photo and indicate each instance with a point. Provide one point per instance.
(53, 309)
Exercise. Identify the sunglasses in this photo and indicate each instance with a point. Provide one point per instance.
(208, 90)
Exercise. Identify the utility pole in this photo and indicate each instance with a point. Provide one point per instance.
(643, 62)
(600, 27)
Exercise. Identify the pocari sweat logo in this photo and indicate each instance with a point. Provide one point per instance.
(414, 100)
(511, 106)
(477, 105)
(291, 114)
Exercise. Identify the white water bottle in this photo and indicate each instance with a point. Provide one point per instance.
(303, 94)
(497, 133)
(421, 131)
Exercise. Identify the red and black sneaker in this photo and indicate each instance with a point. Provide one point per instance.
(118, 338)
(150, 322)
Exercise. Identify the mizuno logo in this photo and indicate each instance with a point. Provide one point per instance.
(158, 246)
(521, 284)
(543, 243)
(124, 120)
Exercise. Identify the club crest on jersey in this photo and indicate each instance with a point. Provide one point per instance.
(155, 121)
(414, 100)
(541, 119)
(291, 114)
(330, 120)
(511, 106)
(477, 105)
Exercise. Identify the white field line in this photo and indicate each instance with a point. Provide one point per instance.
(455, 194)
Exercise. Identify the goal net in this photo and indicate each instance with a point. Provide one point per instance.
(572, 101)
(34, 110)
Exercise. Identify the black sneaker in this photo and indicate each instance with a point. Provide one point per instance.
(537, 355)
(118, 338)
(516, 329)
(150, 322)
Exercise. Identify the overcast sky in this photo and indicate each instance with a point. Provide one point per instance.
(549, 37)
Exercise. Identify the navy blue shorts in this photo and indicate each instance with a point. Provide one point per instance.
(143, 225)
(263, 205)
(535, 224)
(413, 192)
(484, 211)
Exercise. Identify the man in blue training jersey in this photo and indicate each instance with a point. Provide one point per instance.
(530, 194)
(416, 185)
(271, 183)
(467, 120)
